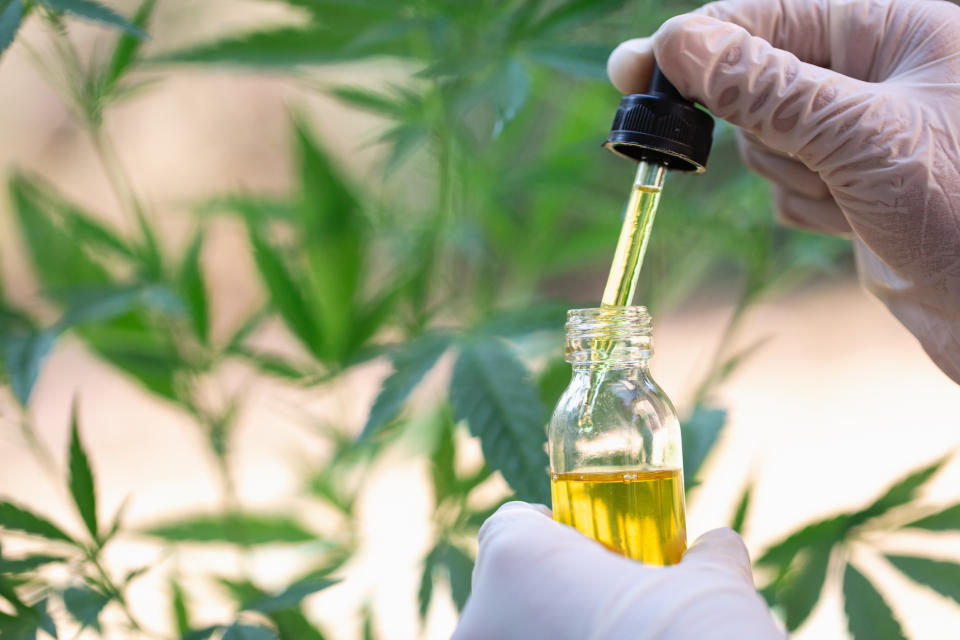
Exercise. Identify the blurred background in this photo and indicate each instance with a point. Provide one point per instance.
(243, 254)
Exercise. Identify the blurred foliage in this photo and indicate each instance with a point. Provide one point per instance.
(491, 191)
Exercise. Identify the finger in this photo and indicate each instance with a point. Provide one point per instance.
(802, 31)
(794, 107)
(721, 550)
(515, 513)
(779, 169)
(630, 65)
(799, 27)
(813, 214)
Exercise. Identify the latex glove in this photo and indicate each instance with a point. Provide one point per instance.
(536, 578)
(852, 109)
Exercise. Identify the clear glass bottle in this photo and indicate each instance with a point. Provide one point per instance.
(614, 440)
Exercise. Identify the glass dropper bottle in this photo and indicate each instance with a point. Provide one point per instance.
(614, 438)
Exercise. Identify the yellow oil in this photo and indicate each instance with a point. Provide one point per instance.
(639, 514)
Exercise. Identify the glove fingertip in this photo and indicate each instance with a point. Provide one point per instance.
(724, 549)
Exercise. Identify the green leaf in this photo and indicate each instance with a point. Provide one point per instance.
(553, 381)
(23, 355)
(491, 390)
(519, 322)
(27, 563)
(194, 288)
(16, 518)
(946, 520)
(285, 293)
(699, 433)
(582, 59)
(940, 575)
(59, 261)
(900, 493)
(134, 343)
(293, 625)
(85, 605)
(234, 528)
(128, 46)
(279, 47)
(238, 631)
(11, 15)
(868, 616)
(178, 609)
(333, 241)
(509, 93)
(800, 589)
(425, 593)
(290, 597)
(411, 362)
(460, 571)
(743, 506)
(442, 458)
(94, 11)
(821, 533)
(81, 477)
(27, 621)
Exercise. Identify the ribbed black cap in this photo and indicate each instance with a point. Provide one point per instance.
(662, 126)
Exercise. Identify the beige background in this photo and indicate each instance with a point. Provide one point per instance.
(839, 402)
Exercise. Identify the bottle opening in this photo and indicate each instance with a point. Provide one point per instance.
(609, 334)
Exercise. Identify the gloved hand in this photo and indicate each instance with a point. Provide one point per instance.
(536, 578)
(852, 109)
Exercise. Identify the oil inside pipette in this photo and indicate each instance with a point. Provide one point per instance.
(625, 269)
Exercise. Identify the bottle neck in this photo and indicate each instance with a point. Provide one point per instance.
(609, 336)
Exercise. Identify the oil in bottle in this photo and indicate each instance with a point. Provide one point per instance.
(639, 514)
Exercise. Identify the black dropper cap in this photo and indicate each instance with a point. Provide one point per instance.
(662, 126)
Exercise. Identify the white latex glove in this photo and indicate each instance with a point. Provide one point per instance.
(536, 578)
(852, 109)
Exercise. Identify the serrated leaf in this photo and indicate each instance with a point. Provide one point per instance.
(11, 16)
(373, 102)
(743, 506)
(15, 518)
(234, 528)
(27, 563)
(239, 631)
(940, 575)
(85, 605)
(442, 459)
(869, 617)
(332, 234)
(425, 592)
(460, 571)
(178, 609)
(127, 47)
(900, 493)
(290, 597)
(292, 624)
(285, 293)
(94, 11)
(800, 589)
(822, 533)
(194, 287)
(81, 477)
(59, 261)
(946, 520)
(491, 390)
(23, 356)
(411, 362)
(699, 434)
